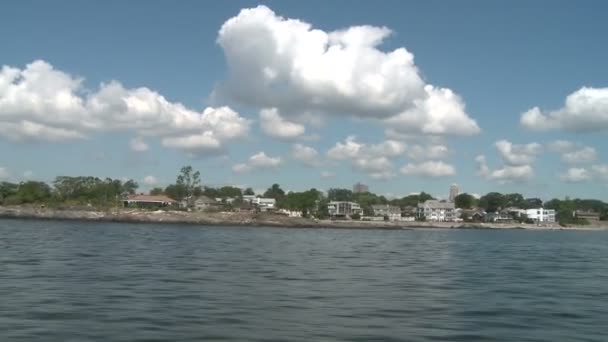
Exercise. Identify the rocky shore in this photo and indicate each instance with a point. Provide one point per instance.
(242, 219)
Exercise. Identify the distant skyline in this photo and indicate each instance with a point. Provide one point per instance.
(403, 96)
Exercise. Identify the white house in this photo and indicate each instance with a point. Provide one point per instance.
(434, 210)
(264, 204)
(343, 209)
(541, 215)
(384, 210)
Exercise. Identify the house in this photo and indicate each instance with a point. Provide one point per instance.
(261, 203)
(249, 198)
(265, 204)
(205, 203)
(590, 216)
(244, 207)
(343, 209)
(409, 212)
(434, 210)
(541, 215)
(148, 201)
(391, 212)
(499, 217)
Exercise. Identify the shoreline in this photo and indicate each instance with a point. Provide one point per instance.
(251, 220)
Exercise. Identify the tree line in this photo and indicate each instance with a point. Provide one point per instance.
(107, 192)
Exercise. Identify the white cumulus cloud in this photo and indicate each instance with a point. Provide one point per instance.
(575, 175)
(277, 62)
(256, 162)
(429, 169)
(41, 103)
(138, 145)
(584, 110)
(506, 174)
(150, 181)
(305, 154)
(277, 127)
(516, 155)
(583, 155)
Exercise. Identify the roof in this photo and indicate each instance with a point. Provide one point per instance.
(436, 204)
(150, 198)
(384, 206)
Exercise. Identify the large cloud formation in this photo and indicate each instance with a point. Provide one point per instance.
(275, 62)
(585, 110)
(41, 103)
(517, 162)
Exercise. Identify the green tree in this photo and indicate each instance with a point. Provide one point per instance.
(249, 192)
(230, 191)
(275, 192)
(188, 179)
(157, 191)
(176, 191)
(33, 192)
(464, 201)
(492, 202)
(340, 195)
(514, 200)
(130, 186)
(7, 190)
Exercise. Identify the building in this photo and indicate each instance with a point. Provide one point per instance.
(591, 216)
(148, 201)
(391, 212)
(264, 204)
(360, 188)
(205, 203)
(454, 191)
(249, 198)
(434, 210)
(541, 215)
(343, 209)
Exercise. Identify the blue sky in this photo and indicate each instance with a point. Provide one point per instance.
(501, 59)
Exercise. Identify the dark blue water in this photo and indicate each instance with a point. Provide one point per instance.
(74, 281)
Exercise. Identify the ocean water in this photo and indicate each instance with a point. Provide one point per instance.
(77, 281)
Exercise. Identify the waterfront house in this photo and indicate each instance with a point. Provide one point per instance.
(389, 212)
(148, 201)
(343, 209)
(205, 203)
(591, 216)
(439, 211)
(265, 204)
(541, 215)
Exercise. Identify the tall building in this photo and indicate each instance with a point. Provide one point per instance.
(454, 191)
(359, 188)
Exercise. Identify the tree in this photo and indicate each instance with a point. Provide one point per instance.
(531, 203)
(157, 191)
(7, 190)
(492, 202)
(464, 201)
(33, 192)
(188, 179)
(340, 195)
(249, 192)
(176, 191)
(130, 186)
(275, 192)
(412, 200)
(230, 191)
(514, 200)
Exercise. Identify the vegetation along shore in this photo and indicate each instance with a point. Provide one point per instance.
(186, 201)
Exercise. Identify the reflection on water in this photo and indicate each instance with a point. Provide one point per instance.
(74, 281)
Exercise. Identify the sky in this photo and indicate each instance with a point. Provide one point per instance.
(405, 96)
